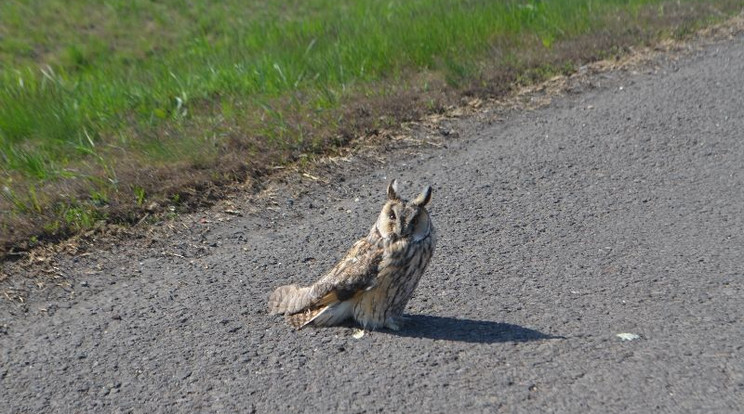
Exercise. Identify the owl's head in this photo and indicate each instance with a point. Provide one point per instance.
(401, 219)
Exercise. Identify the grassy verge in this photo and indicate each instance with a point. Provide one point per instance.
(111, 109)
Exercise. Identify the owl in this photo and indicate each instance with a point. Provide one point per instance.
(374, 281)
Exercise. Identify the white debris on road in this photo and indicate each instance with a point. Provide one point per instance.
(627, 336)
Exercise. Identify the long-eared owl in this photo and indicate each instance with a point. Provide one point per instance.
(374, 281)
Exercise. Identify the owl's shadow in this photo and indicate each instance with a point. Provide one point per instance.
(466, 330)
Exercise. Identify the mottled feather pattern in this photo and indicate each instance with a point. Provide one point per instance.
(300, 319)
(374, 281)
(284, 299)
(400, 273)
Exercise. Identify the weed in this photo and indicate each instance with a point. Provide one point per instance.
(139, 195)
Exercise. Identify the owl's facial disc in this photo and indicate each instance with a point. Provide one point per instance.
(402, 219)
(411, 222)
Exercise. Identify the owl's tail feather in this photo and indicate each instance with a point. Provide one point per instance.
(302, 308)
(302, 319)
(331, 314)
(289, 299)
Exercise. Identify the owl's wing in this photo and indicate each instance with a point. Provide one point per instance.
(356, 272)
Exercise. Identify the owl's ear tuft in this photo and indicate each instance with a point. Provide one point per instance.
(423, 198)
(392, 190)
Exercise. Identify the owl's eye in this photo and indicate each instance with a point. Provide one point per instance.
(392, 215)
(415, 220)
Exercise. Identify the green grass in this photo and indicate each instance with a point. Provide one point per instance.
(101, 103)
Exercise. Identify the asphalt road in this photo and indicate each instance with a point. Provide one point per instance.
(618, 208)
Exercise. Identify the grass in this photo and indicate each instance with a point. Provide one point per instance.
(107, 107)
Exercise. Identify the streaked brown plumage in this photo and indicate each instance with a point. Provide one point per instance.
(374, 281)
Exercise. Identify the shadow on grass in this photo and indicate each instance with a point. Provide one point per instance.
(466, 330)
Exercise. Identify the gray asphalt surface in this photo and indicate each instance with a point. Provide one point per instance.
(616, 209)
